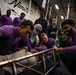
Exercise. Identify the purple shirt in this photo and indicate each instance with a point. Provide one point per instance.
(49, 44)
(17, 21)
(73, 43)
(11, 32)
(6, 20)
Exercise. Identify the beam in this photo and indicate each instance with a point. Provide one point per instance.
(74, 5)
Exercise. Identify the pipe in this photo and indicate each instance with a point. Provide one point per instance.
(68, 10)
(24, 57)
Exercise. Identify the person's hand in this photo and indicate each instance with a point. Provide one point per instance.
(33, 51)
(57, 49)
(1, 59)
(43, 46)
(25, 47)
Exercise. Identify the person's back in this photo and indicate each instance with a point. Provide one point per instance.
(17, 20)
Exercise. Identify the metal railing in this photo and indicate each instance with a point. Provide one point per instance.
(15, 62)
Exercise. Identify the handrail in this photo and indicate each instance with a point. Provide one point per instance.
(24, 57)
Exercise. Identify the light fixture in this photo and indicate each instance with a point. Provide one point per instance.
(56, 6)
(62, 17)
(44, 4)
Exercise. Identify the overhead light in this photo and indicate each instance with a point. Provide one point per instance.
(44, 4)
(56, 6)
(62, 17)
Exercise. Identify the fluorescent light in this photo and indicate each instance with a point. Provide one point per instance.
(62, 17)
(44, 4)
(56, 6)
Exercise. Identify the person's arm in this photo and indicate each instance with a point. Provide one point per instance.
(5, 31)
(42, 46)
(1, 59)
(71, 49)
(57, 49)
(27, 43)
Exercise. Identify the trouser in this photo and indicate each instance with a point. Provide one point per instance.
(69, 59)
(5, 46)
(18, 54)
